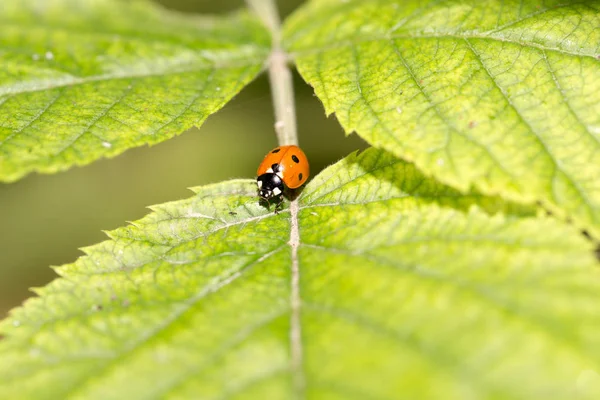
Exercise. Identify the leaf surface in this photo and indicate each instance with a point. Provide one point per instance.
(500, 95)
(82, 80)
(405, 286)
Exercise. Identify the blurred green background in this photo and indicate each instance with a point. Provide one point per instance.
(44, 219)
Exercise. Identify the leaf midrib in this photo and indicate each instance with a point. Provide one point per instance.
(130, 76)
(456, 36)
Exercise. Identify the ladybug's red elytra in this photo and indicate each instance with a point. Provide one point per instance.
(284, 166)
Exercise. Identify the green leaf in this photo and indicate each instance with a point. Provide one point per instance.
(82, 80)
(500, 95)
(404, 286)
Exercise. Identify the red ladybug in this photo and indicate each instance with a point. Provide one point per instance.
(283, 167)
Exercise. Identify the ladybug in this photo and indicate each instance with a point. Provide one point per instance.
(283, 167)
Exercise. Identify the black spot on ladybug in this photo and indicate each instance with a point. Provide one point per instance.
(275, 151)
(275, 167)
(295, 159)
(300, 176)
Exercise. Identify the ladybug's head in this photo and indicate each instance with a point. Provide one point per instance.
(269, 185)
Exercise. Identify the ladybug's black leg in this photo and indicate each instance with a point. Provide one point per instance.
(279, 204)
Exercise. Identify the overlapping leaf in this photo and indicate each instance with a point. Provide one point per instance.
(87, 79)
(502, 95)
(406, 287)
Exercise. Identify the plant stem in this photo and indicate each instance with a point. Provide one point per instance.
(283, 98)
(267, 11)
(280, 77)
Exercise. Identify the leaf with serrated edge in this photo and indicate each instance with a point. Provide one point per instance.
(502, 95)
(400, 294)
(81, 80)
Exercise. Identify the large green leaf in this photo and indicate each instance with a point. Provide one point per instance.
(501, 94)
(82, 80)
(403, 289)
